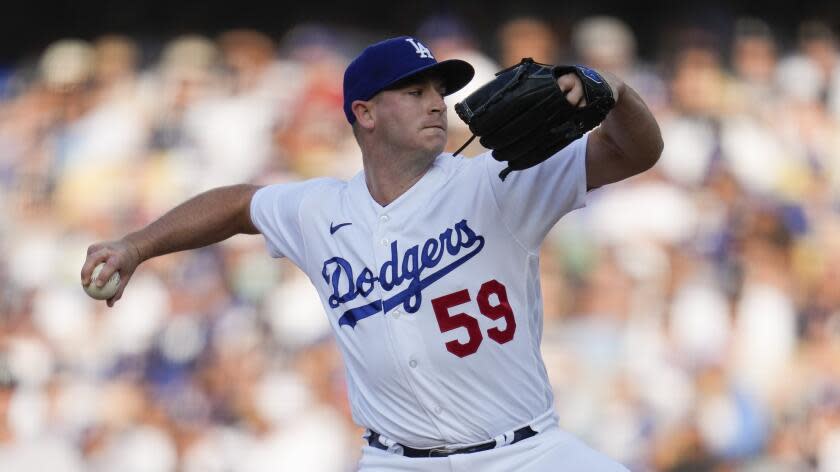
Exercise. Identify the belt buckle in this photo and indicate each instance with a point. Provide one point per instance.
(441, 452)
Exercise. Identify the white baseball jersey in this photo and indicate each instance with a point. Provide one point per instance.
(435, 298)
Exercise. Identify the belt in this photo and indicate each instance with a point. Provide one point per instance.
(518, 435)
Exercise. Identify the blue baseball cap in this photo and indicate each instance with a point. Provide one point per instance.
(383, 64)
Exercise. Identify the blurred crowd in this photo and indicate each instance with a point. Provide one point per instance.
(692, 314)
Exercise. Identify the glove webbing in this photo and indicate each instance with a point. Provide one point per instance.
(499, 94)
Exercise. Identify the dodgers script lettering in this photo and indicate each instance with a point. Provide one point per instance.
(411, 267)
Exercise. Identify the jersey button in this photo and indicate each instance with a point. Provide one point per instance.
(396, 314)
(384, 242)
(384, 218)
(412, 363)
(438, 410)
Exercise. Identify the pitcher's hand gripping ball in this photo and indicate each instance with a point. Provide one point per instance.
(106, 291)
(524, 117)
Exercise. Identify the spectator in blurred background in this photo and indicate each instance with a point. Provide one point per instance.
(311, 135)
(754, 60)
(528, 37)
(818, 43)
(608, 43)
(238, 121)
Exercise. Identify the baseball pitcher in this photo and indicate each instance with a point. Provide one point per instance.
(427, 263)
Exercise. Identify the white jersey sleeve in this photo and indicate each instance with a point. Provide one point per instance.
(275, 211)
(533, 200)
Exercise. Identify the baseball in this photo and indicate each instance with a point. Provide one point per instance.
(106, 291)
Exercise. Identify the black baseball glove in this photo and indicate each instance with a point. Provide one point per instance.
(524, 117)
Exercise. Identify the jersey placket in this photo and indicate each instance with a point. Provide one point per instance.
(405, 341)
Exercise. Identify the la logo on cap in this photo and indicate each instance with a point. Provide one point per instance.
(422, 51)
